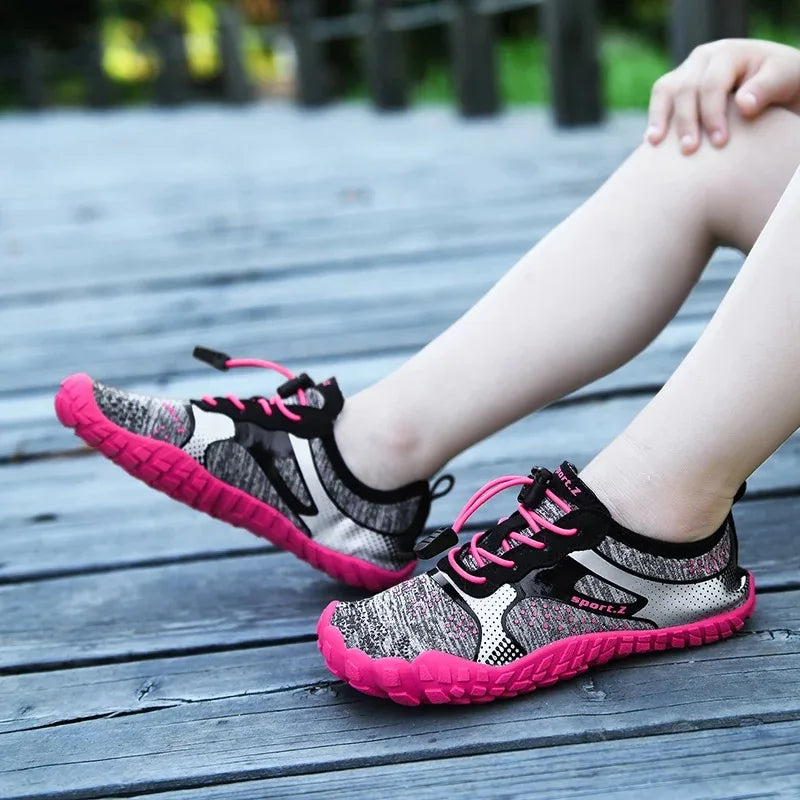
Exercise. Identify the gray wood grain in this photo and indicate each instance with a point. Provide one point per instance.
(29, 426)
(330, 727)
(757, 761)
(219, 172)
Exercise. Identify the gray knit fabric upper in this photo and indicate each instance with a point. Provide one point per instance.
(387, 518)
(601, 590)
(407, 620)
(674, 569)
(231, 463)
(536, 621)
(159, 418)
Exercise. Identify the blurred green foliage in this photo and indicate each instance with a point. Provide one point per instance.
(631, 64)
(634, 53)
(634, 47)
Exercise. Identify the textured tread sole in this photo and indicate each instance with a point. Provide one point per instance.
(436, 677)
(170, 470)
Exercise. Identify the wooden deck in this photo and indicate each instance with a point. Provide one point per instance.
(146, 650)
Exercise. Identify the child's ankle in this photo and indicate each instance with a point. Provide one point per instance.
(382, 452)
(655, 504)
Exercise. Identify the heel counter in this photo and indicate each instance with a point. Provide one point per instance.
(733, 557)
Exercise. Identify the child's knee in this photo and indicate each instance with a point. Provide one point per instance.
(744, 180)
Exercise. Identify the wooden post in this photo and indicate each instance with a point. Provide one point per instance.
(33, 87)
(172, 84)
(312, 81)
(473, 60)
(694, 22)
(572, 42)
(387, 76)
(99, 89)
(236, 84)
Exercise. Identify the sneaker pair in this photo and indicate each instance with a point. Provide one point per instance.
(546, 593)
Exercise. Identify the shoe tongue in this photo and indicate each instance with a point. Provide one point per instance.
(326, 395)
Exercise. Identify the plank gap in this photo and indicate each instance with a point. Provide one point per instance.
(154, 655)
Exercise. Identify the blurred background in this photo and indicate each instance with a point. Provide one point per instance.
(106, 53)
(213, 169)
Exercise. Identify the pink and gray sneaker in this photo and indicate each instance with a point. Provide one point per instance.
(270, 465)
(550, 591)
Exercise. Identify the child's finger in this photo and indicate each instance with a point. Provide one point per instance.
(772, 83)
(660, 111)
(715, 85)
(686, 117)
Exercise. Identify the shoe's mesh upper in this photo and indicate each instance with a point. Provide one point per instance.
(231, 463)
(388, 517)
(674, 569)
(156, 417)
(352, 539)
(537, 621)
(600, 590)
(407, 620)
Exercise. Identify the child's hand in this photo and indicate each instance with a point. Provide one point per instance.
(693, 97)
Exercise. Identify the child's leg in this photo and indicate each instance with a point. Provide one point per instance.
(582, 302)
(673, 473)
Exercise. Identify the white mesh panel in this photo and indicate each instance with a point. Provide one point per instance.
(209, 427)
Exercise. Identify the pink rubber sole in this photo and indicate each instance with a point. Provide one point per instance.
(168, 469)
(436, 677)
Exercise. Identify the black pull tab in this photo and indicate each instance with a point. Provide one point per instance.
(212, 357)
(436, 492)
(532, 495)
(293, 386)
(440, 540)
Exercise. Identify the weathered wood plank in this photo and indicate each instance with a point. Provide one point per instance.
(44, 699)
(180, 608)
(188, 605)
(330, 727)
(429, 137)
(255, 195)
(202, 248)
(753, 761)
